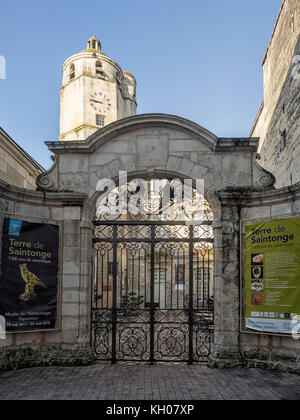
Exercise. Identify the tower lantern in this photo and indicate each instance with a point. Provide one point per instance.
(94, 44)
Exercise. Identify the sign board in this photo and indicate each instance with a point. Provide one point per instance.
(272, 275)
(29, 275)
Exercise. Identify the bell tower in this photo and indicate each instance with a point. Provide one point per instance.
(95, 92)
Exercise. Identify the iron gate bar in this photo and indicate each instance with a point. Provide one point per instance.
(122, 240)
(149, 223)
(191, 296)
(114, 320)
(152, 309)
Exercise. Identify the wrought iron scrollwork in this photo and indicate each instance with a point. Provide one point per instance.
(103, 232)
(133, 342)
(172, 342)
(171, 317)
(202, 343)
(102, 334)
(153, 200)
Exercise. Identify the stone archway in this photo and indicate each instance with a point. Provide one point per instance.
(162, 144)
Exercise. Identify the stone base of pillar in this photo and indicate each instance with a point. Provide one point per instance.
(226, 361)
(27, 357)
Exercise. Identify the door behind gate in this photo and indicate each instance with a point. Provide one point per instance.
(152, 291)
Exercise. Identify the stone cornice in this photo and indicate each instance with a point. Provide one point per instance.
(237, 144)
(139, 121)
(61, 198)
(259, 113)
(259, 198)
(78, 128)
(91, 54)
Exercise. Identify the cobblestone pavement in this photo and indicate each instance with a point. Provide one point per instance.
(139, 382)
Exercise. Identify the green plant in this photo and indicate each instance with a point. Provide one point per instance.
(131, 303)
(97, 296)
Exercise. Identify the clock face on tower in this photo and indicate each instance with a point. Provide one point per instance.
(99, 102)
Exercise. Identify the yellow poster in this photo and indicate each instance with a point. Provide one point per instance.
(272, 277)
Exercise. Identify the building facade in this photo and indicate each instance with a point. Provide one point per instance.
(17, 168)
(278, 121)
(95, 92)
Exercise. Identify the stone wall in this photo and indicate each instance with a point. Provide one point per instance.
(280, 150)
(277, 352)
(71, 343)
(277, 123)
(277, 61)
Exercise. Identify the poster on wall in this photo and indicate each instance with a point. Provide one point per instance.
(29, 275)
(272, 277)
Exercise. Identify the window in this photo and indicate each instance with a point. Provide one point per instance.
(72, 71)
(99, 120)
(99, 69)
(283, 135)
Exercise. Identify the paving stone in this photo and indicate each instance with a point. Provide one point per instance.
(142, 382)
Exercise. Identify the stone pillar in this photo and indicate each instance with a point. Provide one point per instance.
(85, 286)
(76, 284)
(226, 352)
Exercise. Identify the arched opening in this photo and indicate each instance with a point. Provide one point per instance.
(99, 68)
(153, 279)
(72, 71)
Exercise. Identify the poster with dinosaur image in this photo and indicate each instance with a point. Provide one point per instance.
(29, 275)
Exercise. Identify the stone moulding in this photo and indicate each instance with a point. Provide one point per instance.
(267, 181)
(264, 182)
(152, 120)
(44, 180)
(52, 198)
(256, 198)
(217, 149)
(145, 120)
(237, 144)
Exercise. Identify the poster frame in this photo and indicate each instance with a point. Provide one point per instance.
(243, 224)
(60, 224)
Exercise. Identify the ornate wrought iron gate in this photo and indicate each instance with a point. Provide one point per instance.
(152, 291)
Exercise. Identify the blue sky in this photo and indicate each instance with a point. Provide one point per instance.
(199, 59)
